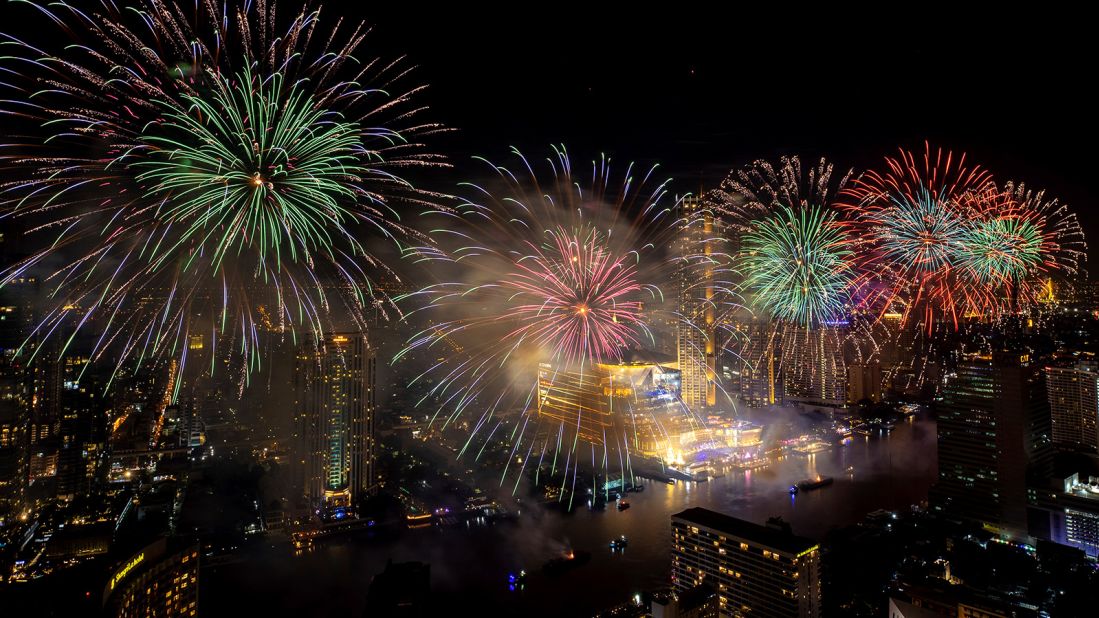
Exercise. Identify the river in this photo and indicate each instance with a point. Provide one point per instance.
(469, 566)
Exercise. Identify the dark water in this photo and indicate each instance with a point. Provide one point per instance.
(469, 566)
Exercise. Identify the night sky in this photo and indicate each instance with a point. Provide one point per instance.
(701, 91)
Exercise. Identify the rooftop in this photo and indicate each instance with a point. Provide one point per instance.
(769, 537)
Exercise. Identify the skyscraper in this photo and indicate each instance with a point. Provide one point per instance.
(1074, 405)
(814, 369)
(154, 582)
(760, 381)
(16, 317)
(760, 571)
(695, 333)
(335, 382)
(989, 432)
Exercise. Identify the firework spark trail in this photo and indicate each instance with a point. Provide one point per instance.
(795, 266)
(910, 228)
(798, 265)
(554, 276)
(1015, 239)
(177, 154)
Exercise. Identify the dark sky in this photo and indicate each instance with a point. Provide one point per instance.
(702, 90)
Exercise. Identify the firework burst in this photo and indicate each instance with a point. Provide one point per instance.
(794, 267)
(1015, 240)
(911, 227)
(557, 271)
(798, 265)
(555, 281)
(176, 158)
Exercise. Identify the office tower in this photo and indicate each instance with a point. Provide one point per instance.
(990, 430)
(1074, 405)
(83, 438)
(16, 317)
(695, 340)
(14, 419)
(813, 366)
(864, 382)
(761, 571)
(760, 381)
(335, 381)
(154, 582)
(758, 345)
(45, 426)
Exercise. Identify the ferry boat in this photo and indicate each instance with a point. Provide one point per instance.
(810, 484)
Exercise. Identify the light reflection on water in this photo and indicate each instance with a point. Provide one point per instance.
(890, 472)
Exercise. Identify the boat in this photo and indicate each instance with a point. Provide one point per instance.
(562, 564)
(623, 505)
(619, 543)
(809, 484)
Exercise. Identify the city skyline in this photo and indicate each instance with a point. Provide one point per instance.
(310, 309)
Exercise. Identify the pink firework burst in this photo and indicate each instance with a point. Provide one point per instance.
(575, 296)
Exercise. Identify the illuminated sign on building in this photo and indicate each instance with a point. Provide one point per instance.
(125, 570)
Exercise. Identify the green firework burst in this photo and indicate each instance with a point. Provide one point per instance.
(1001, 249)
(797, 265)
(254, 164)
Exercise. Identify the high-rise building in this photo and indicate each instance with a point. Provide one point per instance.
(335, 383)
(864, 381)
(16, 317)
(45, 427)
(761, 571)
(1074, 405)
(989, 430)
(153, 582)
(813, 366)
(760, 380)
(14, 419)
(83, 428)
(695, 334)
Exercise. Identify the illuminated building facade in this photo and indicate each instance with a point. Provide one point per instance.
(813, 367)
(16, 316)
(1074, 405)
(756, 570)
(580, 400)
(335, 384)
(83, 428)
(695, 340)
(1067, 512)
(760, 381)
(864, 382)
(989, 431)
(635, 402)
(149, 584)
